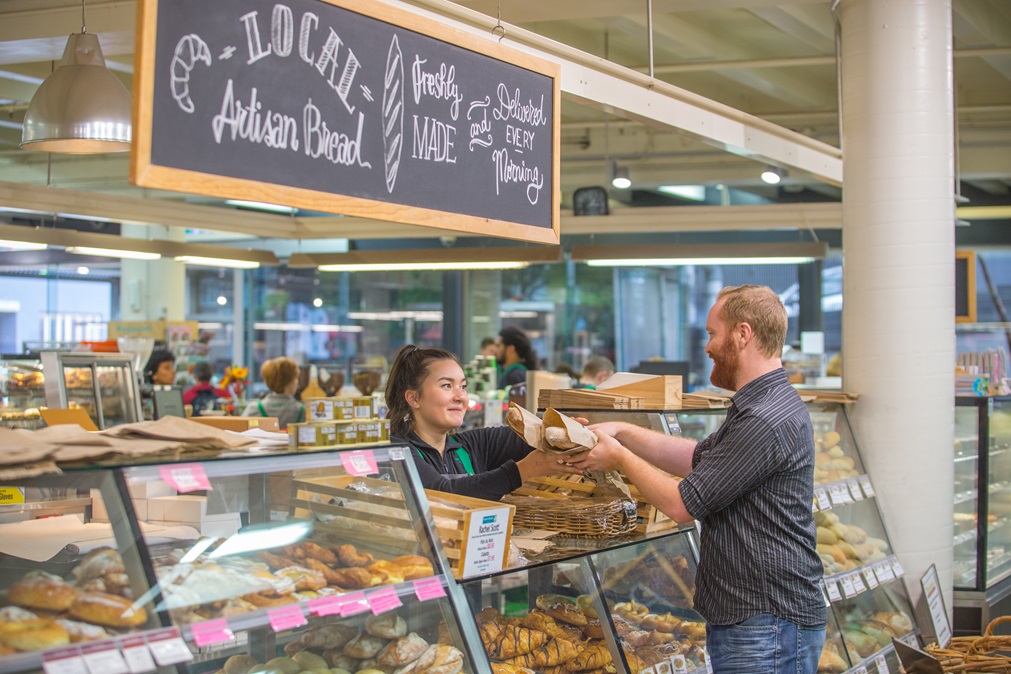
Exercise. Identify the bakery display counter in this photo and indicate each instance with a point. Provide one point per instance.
(22, 392)
(234, 565)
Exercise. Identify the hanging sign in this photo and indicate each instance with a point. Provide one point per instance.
(347, 106)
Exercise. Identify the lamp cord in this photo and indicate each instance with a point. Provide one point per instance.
(84, 20)
(498, 28)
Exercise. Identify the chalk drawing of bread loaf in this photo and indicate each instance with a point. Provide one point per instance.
(190, 49)
(393, 113)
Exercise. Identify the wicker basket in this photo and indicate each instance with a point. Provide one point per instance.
(968, 655)
(601, 517)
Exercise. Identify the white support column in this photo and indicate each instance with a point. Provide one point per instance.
(899, 243)
(152, 289)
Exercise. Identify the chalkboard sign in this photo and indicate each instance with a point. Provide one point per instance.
(347, 106)
(965, 286)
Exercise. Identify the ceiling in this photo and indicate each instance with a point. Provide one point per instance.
(773, 59)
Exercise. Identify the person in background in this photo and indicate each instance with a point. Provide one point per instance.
(161, 368)
(515, 356)
(426, 395)
(203, 394)
(488, 347)
(281, 377)
(750, 484)
(565, 368)
(595, 371)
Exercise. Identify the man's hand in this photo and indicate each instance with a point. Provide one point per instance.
(607, 454)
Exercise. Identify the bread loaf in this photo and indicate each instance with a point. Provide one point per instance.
(107, 609)
(386, 625)
(38, 589)
(439, 659)
(364, 646)
(402, 650)
(33, 635)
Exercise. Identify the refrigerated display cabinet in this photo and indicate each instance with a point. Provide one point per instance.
(104, 385)
(22, 391)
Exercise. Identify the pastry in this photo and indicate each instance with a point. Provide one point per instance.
(594, 656)
(439, 659)
(107, 609)
(352, 578)
(631, 611)
(240, 664)
(277, 561)
(402, 650)
(554, 652)
(593, 630)
(349, 556)
(268, 600)
(637, 638)
(79, 631)
(364, 646)
(38, 589)
(16, 614)
(97, 564)
(322, 639)
(413, 566)
(508, 641)
(386, 625)
(303, 578)
(536, 620)
(502, 668)
(318, 552)
(661, 623)
(385, 573)
(33, 635)
(561, 608)
(282, 665)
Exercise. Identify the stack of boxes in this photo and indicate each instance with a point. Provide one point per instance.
(158, 503)
(339, 422)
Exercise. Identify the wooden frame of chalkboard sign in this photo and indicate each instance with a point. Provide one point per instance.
(347, 106)
(965, 286)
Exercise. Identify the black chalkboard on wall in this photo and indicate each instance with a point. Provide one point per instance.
(347, 106)
(965, 286)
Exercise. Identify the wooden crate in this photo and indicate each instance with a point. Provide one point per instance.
(383, 522)
(662, 392)
(563, 486)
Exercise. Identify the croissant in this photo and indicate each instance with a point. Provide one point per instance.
(508, 641)
(278, 561)
(349, 556)
(353, 578)
(554, 652)
(561, 608)
(502, 668)
(594, 656)
(536, 620)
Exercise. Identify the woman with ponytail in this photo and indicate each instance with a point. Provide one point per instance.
(426, 398)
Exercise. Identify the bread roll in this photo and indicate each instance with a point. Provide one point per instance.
(240, 664)
(402, 650)
(33, 635)
(364, 646)
(107, 609)
(79, 631)
(284, 665)
(559, 438)
(386, 625)
(38, 589)
(337, 660)
(309, 661)
(16, 614)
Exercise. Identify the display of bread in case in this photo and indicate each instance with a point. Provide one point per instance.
(229, 565)
(22, 392)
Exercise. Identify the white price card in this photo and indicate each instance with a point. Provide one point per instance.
(896, 567)
(486, 538)
(860, 670)
(854, 488)
(168, 648)
(104, 658)
(840, 494)
(678, 664)
(64, 661)
(397, 454)
(847, 586)
(137, 656)
(858, 583)
(833, 591)
(884, 572)
(823, 501)
(881, 664)
(865, 484)
(872, 580)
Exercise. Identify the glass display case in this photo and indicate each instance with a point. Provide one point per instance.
(104, 385)
(982, 527)
(261, 565)
(22, 391)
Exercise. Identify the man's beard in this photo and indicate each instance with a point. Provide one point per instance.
(726, 362)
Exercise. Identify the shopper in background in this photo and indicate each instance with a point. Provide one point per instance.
(750, 484)
(515, 356)
(203, 394)
(595, 371)
(426, 394)
(281, 377)
(488, 347)
(161, 368)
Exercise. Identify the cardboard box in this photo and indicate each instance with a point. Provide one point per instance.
(183, 508)
(659, 392)
(239, 424)
(152, 489)
(215, 526)
(100, 514)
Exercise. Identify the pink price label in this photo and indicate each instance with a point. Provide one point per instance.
(384, 600)
(354, 604)
(211, 632)
(185, 477)
(429, 588)
(286, 618)
(325, 606)
(362, 462)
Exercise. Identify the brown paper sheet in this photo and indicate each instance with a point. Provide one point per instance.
(184, 430)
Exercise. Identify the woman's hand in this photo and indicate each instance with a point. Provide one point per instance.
(538, 464)
(607, 454)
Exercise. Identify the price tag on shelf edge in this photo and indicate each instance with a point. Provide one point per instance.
(847, 587)
(429, 588)
(185, 477)
(678, 664)
(854, 488)
(881, 664)
(860, 670)
(823, 500)
(104, 658)
(361, 462)
(896, 567)
(833, 591)
(354, 603)
(383, 600)
(840, 495)
(286, 618)
(872, 580)
(397, 454)
(884, 572)
(865, 484)
(64, 661)
(324, 606)
(858, 583)
(211, 632)
(168, 648)
(137, 656)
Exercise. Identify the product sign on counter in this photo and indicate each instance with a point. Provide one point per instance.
(12, 495)
(168, 648)
(429, 588)
(137, 656)
(881, 664)
(485, 541)
(362, 462)
(286, 618)
(185, 477)
(348, 106)
(847, 587)
(383, 600)
(104, 658)
(64, 661)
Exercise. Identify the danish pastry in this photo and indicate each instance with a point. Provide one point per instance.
(561, 608)
(303, 578)
(107, 609)
(38, 589)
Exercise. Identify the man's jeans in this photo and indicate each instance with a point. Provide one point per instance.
(764, 644)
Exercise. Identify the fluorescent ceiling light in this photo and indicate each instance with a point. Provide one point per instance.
(22, 245)
(261, 206)
(669, 255)
(434, 259)
(113, 252)
(693, 192)
(217, 262)
(302, 327)
(430, 316)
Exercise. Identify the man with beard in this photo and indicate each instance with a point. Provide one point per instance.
(750, 484)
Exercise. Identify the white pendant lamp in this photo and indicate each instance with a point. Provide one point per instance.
(81, 108)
